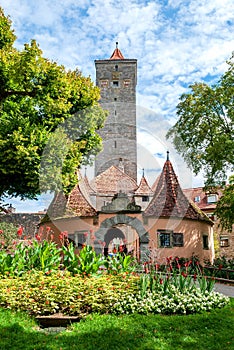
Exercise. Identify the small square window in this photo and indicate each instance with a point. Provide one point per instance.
(115, 84)
(79, 237)
(212, 198)
(224, 242)
(164, 239)
(145, 198)
(127, 83)
(178, 239)
(104, 83)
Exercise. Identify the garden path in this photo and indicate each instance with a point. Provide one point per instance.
(225, 289)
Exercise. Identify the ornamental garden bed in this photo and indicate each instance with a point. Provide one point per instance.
(51, 286)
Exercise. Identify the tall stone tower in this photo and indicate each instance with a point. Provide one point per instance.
(117, 78)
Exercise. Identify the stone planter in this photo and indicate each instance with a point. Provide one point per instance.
(56, 320)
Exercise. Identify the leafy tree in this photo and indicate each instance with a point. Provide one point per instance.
(204, 135)
(8, 233)
(36, 97)
(225, 206)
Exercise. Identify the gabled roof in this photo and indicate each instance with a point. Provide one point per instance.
(113, 180)
(200, 197)
(169, 199)
(143, 188)
(117, 54)
(77, 203)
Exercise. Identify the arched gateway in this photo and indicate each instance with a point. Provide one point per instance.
(118, 226)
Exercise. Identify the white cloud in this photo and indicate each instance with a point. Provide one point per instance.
(175, 42)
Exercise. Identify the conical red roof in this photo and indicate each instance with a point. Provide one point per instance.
(169, 199)
(117, 54)
(144, 188)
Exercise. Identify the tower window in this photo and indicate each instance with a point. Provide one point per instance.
(127, 83)
(115, 83)
(115, 144)
(115, 112)
(104, 83)
(116, 68)
(115, 99)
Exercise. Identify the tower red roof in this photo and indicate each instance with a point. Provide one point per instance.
(117, 54)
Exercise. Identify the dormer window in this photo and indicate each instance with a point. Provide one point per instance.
(212, 198)
(145, 198)
(197, 199)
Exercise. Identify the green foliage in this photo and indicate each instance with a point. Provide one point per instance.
(36, 96)
(39, 294)
(8, 233)
(204, 136)
(120, 263)
(225, 207)
(86, 263)
(25, 256)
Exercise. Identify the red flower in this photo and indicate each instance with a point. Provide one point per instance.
(184, 274)
(161, 281)
(1, 231)
(65, 233)
(20, 231)
(38, 237)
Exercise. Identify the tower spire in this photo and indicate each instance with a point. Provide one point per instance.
(168, 155)
(117, 54)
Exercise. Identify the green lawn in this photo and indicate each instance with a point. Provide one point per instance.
(208, 331)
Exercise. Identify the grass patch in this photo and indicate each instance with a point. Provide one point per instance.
(211, 330)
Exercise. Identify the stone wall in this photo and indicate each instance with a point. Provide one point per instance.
(29, 221)
(117, 81)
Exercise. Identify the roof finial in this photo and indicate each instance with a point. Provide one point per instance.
(117, 44)
(143, 172)
(168, 155)
(85, 171)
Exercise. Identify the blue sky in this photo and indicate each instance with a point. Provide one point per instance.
(176, 43)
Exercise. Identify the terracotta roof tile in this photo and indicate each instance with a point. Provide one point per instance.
(117, 54)
(113, 180)
(169, 200)
(200, 195)
(77, 203)
(143, 188)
